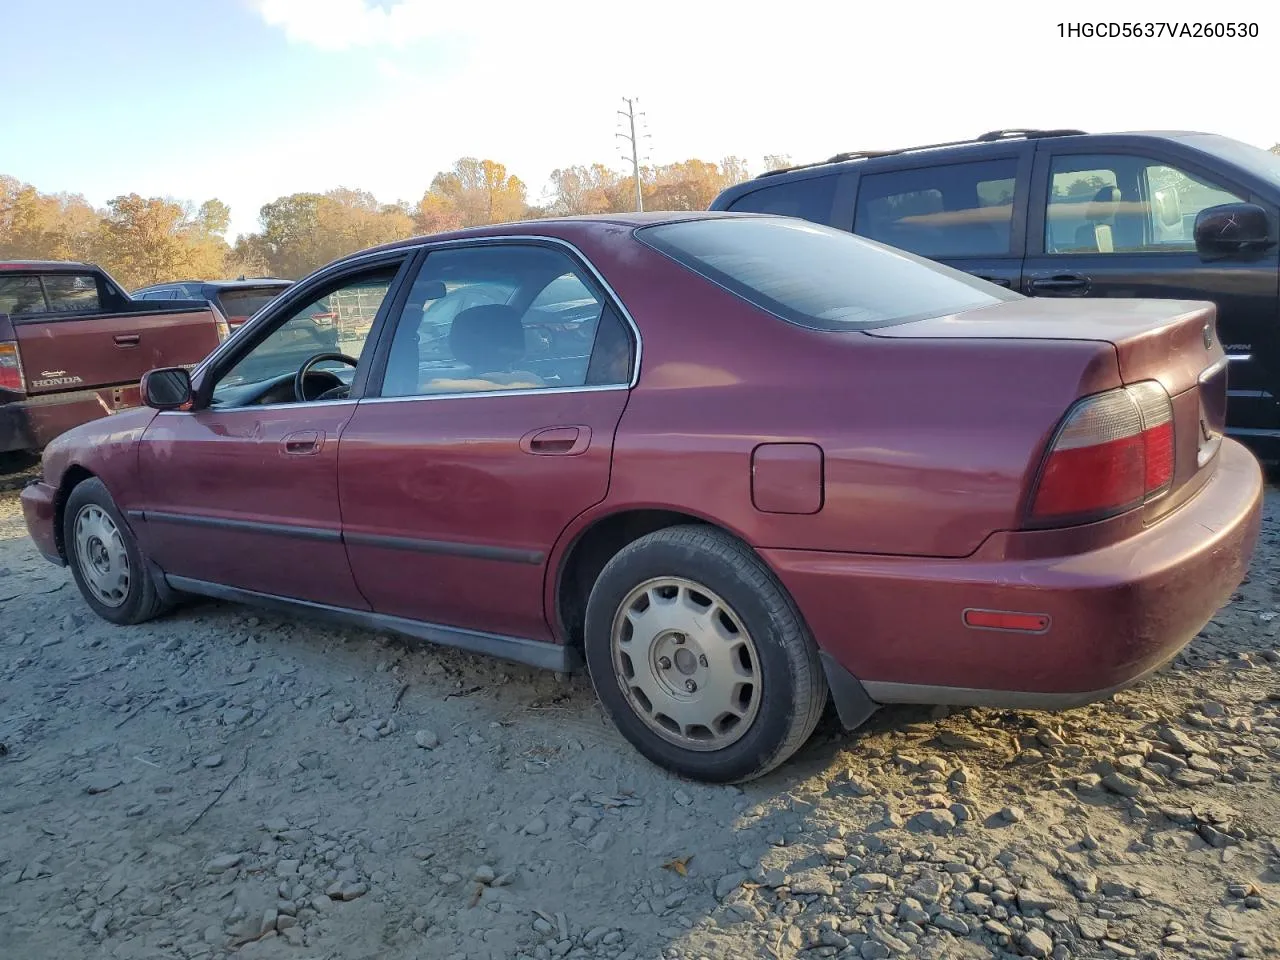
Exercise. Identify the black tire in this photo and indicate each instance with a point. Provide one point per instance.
(142, 600)
(793, 686)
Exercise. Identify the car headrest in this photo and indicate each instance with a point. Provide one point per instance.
(489, 337)
(1104, 204)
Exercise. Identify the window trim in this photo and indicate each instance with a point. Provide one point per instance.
(1155, 153)
(609, 297)
(1017, 215)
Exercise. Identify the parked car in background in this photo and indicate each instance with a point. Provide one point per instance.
(73, 346)
(791, 464)
(237, 299)
(1065, 214)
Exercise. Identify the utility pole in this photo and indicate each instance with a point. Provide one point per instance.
(630, 116)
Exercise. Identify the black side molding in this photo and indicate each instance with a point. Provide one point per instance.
(477, 551)
(533, 653)
(852, 702)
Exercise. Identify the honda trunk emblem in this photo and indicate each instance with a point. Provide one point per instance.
(1207, 332)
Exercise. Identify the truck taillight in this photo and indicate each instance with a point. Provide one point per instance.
(11, 377)
(1113, 452)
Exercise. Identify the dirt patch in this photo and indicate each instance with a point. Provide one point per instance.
(225, 782)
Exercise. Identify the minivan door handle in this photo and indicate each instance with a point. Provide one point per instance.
(557, 441)
(303, 443)
(1060, 285)
(128, 339)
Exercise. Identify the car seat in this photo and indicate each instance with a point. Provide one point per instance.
(1095, 235)
(490, 340)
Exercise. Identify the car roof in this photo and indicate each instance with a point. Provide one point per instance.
(550, 227)
(47, 266)
(854, 157)
(222, 284)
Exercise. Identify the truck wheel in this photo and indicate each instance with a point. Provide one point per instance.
(700, 656)
(104, 557)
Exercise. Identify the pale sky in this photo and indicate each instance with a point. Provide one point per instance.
(247, 100)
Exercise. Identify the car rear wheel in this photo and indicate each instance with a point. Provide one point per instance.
(104, 557)
(700, 657)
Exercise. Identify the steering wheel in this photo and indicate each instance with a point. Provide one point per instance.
(300, 378)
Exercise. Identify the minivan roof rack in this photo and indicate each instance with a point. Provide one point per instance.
(990, 136)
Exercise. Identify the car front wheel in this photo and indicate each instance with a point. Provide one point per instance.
(104, 557)
(700, 656)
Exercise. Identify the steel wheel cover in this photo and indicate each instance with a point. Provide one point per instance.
(686, 663)
(101, 556)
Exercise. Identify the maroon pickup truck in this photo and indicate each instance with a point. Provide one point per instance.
(73, 346)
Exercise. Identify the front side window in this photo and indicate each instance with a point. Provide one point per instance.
(807, 199)
(1124, 204)
(336, 322)
(504, 317)
(956, 210)
(819, 277)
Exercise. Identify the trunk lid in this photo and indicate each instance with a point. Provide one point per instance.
(1173, 342)
(66, 353)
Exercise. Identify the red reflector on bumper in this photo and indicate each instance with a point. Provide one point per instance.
(1006, 620)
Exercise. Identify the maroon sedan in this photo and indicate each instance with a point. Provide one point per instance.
(784, 464)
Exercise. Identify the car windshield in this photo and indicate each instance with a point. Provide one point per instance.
(819, 277)
(1259, 162)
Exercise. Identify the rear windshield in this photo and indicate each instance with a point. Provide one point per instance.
(819, 277)
(246, 302)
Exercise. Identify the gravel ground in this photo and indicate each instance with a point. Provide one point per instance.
(222, 782)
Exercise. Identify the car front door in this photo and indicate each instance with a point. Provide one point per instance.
(493, 428)
(243, 492)
(1119, 223)
(969, 215)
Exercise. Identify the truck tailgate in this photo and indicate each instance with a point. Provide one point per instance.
(86, 352)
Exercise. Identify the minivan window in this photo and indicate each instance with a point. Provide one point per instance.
(807, 199)
(819, 277)
(1124, 204)
(955, 210)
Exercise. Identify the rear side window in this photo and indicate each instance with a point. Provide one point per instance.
(808, 199)
(817, 276)
(19, 295)
(957, 210)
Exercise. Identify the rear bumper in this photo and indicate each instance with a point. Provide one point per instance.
(31, 423)
(1116, 613)
(39, 509)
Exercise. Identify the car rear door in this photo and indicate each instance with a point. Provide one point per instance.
(491, 430)
(967, 210)
(1111, 218)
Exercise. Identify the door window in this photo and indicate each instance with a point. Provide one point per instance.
(956, 210)
(508, 317)
(337, 322)
(1124, 204)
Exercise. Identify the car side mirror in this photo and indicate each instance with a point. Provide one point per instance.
(167, 388)
(1231, 228)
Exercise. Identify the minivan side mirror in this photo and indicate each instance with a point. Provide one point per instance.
(167, 388)
(1231, 228)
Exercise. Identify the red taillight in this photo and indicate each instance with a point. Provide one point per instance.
(11, 368)
(1113, 452)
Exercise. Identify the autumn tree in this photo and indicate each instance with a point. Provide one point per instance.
(145, 240)
(476, 192)
(44, 226)
(585, 189)
(776, 161)
(303, 231)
